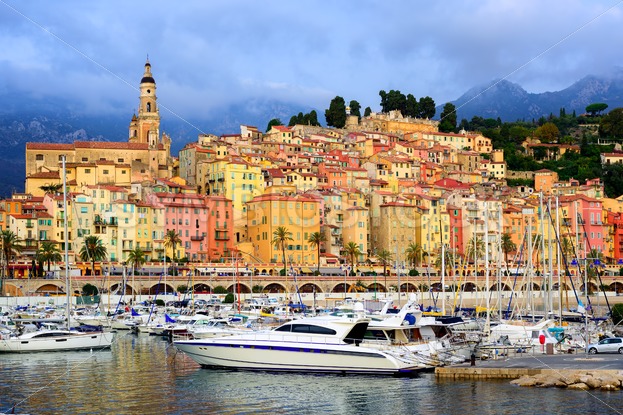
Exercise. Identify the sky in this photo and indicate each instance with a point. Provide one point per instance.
(217, 53)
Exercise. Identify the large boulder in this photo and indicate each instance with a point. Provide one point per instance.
(579, 386)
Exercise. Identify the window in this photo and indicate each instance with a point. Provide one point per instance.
(87, 171)
(39, 157)
(119, 160)
(105, 172)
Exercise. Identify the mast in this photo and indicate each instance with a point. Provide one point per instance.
(487, 323)
(66, 240)
(559, 252)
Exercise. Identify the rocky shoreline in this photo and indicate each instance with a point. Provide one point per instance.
(606, 380)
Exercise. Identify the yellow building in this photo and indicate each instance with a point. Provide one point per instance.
(237, 180)
(145, 156)
(300, 215)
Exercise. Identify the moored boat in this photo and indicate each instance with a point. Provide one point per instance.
(323, 344)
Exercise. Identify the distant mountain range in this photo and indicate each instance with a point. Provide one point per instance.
(24, 119)
(511, 102)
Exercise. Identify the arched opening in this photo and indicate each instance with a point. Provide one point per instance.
(310, 288)
(564, 287)
(408, 287)
(118, 289)
(535, 287)
(341, 288)
(202, 289)
(160, 289)
(503, 287)
(376, 287)
(469, 287)
(50, 289)
(274, 288)
(149, 107)
(616, 287)
(239, 288)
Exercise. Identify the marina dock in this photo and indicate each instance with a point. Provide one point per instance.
(533, 364)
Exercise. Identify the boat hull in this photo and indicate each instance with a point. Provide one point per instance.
(74, 341)
(265, 355)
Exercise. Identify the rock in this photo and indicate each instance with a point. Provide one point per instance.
(579, 386)
(610, 383)
(526, 380)
(591, 381)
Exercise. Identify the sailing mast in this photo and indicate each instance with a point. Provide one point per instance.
(66, 240)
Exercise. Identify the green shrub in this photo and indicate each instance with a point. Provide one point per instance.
(219, 289)
(617, 313)
(229, 298)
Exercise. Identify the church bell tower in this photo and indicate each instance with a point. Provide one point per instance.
(145, 128)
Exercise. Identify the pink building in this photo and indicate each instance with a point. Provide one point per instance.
(203, 223)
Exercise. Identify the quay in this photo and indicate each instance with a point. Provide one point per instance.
(532, 365)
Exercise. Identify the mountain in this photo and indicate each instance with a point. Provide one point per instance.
(511, 102)
(24, 119)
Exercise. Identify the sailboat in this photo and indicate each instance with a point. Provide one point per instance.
(53, 338)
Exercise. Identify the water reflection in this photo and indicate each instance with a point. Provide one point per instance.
(145, 375)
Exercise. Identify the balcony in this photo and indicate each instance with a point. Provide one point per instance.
(221, 236)
(30, 224)
(196, 238)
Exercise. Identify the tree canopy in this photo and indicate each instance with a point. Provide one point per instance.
(304, 119)
(355, 108)
(335, 115)
(611, 124)
(596, 108)
(273, 122)
(448, 118)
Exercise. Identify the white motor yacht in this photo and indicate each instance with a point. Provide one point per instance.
(325, 344)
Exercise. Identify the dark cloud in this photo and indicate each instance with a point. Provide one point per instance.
(216, 53)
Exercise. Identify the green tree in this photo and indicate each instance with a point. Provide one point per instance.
(352, 251)
(315, 240)
(611, 174)
(411, 107)
(281, 237)
(367, 112)
(427, 107)
(229, 298)
(475, 248)
(136, 259)
(51, 188)
(93, 250)
(617, 314)
(507, 246)
(385, 257)
(171, 241)
(219, 289)
(312, 118)
(415, 253)
(596, 108)
(49, 252)
(448, 118)
(11, 246)
(273, 122)
(355, 108)
(383, 103)
(611, 124)
(547, 133)
(89, 289)
(336, 114)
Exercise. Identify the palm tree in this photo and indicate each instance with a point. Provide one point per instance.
(11, 246)
(49, 252)
(475, 248)
(136, 258)
(507, 246)
(315, 239)
(171, 240)
(385, 257)
(51, 188)
(281, 236)
(93, 250)
(414, 253)
(352, 250)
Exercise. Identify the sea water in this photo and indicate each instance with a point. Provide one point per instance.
(145, 375)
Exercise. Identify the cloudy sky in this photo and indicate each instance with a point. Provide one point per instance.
(208, 54)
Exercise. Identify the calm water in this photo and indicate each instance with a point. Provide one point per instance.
(144, 375)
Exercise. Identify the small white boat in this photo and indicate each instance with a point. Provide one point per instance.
(48, 340)
(324, 344)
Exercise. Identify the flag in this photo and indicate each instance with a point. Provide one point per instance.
(169, 319)
(581, 308)
(135, 313)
